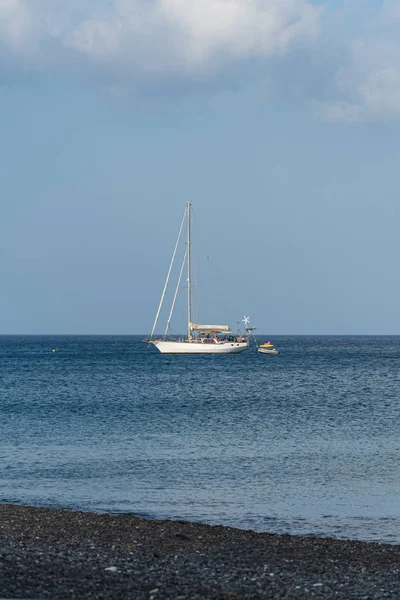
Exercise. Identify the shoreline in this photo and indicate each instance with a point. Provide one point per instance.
(66, 554)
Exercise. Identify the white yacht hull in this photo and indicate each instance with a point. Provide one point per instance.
(170, 347)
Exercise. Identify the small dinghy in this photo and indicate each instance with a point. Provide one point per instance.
(267, 348)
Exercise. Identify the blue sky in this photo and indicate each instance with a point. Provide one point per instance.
(278, 120)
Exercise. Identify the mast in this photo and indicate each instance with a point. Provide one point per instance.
(189, 269)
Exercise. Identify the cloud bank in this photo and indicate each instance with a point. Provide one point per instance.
(135, 42)
(153, 38)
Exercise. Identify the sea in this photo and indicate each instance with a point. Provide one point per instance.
(307, 442)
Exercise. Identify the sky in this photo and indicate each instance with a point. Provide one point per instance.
(278, 120)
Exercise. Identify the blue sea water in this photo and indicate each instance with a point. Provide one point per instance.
(307, 442)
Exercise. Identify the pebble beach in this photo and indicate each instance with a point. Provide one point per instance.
(63, 554)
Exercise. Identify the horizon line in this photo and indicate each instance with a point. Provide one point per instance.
(182, 334)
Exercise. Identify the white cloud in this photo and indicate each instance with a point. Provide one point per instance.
(351, 70)
(367, 86)
(15, 25)
(154, 38)
(390, 11)
(367, 82)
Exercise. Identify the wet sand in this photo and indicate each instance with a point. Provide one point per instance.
(60, 554)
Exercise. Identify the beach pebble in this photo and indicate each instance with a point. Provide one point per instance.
(224, 564)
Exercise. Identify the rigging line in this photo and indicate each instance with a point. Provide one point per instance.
(168, 275)
(176, 293)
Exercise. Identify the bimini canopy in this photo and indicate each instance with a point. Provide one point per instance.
(216, 328)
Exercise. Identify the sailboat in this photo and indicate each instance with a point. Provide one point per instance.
(200, 339)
